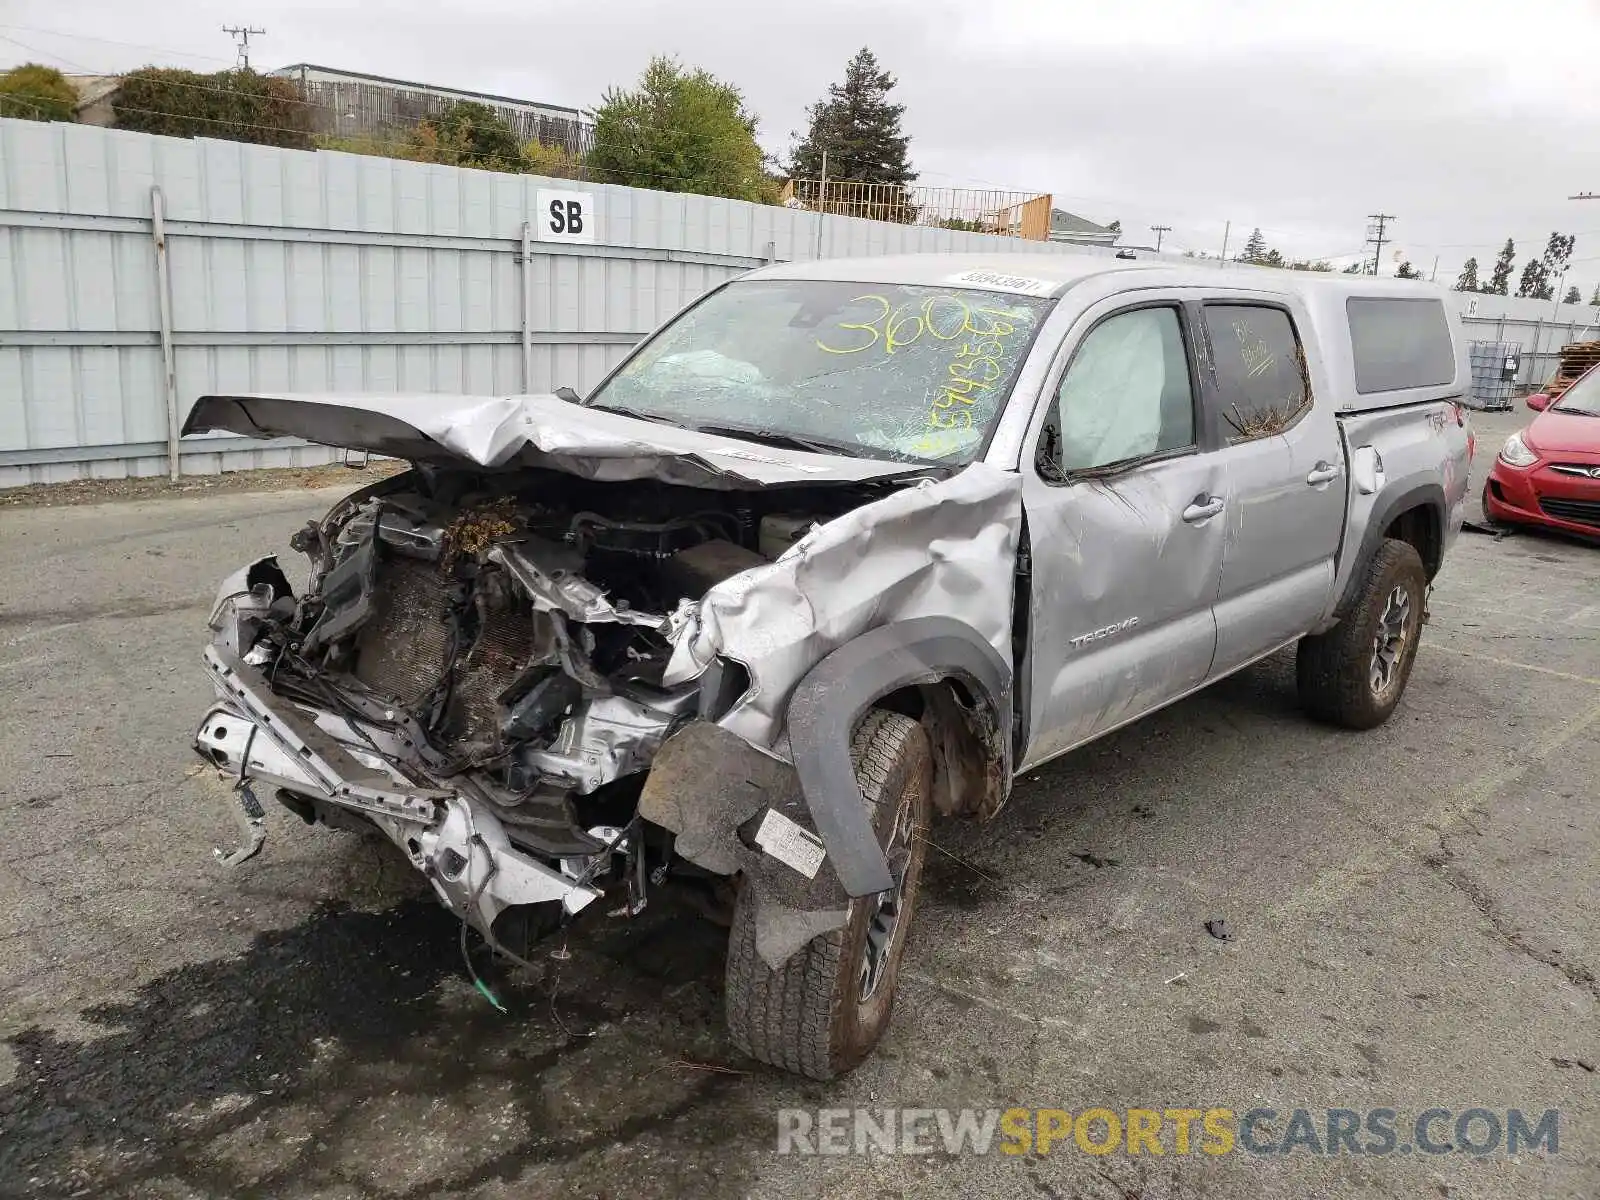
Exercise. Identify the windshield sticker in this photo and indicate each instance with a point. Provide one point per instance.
(1000, 281)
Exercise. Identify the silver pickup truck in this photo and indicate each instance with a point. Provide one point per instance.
(843, 546)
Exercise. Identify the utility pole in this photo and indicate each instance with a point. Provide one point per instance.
(241, 37)
(1226, 230)
(1158, 230)
(1375, 237)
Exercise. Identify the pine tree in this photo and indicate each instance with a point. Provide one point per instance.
(1595, 299)
(859, 129)
(1255, 248)
(1558, 252)
(1534, 283)
(1407, 271)
(1573, 296)
(1500, 281)
(1467, 281)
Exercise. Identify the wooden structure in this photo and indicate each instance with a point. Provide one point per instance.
(970, 210)
(1576, 358)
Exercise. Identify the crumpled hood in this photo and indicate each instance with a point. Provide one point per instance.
(534, 431)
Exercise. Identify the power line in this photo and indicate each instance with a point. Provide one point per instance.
(84, 37)
(1375, 237)
(241, 38)
(1158, 230)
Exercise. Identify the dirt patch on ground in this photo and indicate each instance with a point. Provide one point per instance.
(270, 479)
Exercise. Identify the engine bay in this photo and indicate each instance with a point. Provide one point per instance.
(511, 630)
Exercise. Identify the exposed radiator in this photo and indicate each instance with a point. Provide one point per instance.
(502, 650)
(401, 650)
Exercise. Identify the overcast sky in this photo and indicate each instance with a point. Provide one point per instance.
(1469, 121)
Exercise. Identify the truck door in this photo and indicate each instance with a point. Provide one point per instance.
(1122, 497)
(1284, 481)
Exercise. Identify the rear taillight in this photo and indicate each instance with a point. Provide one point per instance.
(1461, 421)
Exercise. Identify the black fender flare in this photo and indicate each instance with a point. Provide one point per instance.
(1423, 495)
(826, 704)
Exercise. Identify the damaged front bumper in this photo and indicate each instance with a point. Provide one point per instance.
(457, 842)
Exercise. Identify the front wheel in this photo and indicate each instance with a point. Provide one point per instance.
(823, 1011)
(1354, 674)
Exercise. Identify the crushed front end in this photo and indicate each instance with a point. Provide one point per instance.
(477, 668)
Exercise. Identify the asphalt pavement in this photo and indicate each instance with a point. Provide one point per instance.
(1414, 920)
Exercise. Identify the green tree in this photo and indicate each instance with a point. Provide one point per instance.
(1407, 271)
(678, 131)
(1467, 281)
(1558, 252)
(1115, 226)
(1573, 296)
(1255, 248)
(858, 128)
(240, 106)
(1500, 281)
(553, 162)
(1307, 264)
(1355, 268)
(1273, 258)
(467, 134)
(1595, 299)
(37, 93)
(1539, 275)
(1534, 283)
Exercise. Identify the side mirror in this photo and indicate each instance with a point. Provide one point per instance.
(1538, 402)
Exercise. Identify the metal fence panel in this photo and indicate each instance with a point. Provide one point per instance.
(330, 271)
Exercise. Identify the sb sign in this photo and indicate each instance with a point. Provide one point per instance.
(564, 216)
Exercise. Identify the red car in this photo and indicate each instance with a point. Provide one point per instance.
(1549, 473)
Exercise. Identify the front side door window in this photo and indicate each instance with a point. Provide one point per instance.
(1127, 394)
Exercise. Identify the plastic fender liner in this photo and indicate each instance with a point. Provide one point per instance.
(1429, 496)
(705, 786)
(827, 703)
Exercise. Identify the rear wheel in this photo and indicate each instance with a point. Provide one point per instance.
(824, 1010)
(1354, 674)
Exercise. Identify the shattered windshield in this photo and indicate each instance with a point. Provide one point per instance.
(872, 370)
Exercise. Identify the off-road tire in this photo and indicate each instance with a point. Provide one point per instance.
(807, 1016)
(1333, 669)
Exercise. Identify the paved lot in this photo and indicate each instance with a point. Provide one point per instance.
(1416, 910)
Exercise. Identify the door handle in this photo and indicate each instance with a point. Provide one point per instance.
(1203, 509)
(1322, 473)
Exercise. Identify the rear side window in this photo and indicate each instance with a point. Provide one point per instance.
(1399, 343)
(1260, 372)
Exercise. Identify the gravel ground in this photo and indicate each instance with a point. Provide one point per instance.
(1414, 914)
(270, 479)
